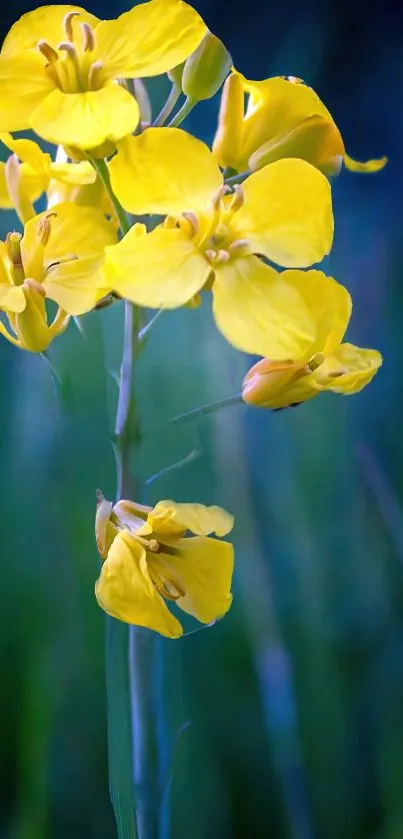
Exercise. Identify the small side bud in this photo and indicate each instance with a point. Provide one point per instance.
(175, 75)
(227, 145)
(206, 69)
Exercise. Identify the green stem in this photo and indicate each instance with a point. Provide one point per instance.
(209, 409)
(167, 109)
(102, 170)
(237, 179)
(186, 108)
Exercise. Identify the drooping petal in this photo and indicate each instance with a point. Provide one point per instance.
(202, 568)
(31, 184)
(150, 39)
(76, 286)
(46, 22)
(174, 519)
(12, 298)
(28, 152)
(367, 166)
(275, 107)
(75, 232)
(162, 269)
(125, 590)
(85, 120)
(260, 313)
(164, 170)
(329, 303)
(347, 370)
(287, 215)
(315, 139)
(24, 85)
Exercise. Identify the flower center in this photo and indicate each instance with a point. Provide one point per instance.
(163, 579)
(71, 65)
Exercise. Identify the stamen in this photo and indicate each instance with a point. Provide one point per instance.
(47, 51)
(217, 197)
(67, 24)
(193, 221)
(153, 545)
(44, 229)
(68, 47)
(88, 37)
(238, 198)
(95, 75)
(238, 244)
(222, 256)
(210, 254)
(13, 246)
(314, 363)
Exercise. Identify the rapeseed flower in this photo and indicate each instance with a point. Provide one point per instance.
(210, 239)
(283, 118)
(58, 257)
(61, 69)
(148, 560)
(329, 364)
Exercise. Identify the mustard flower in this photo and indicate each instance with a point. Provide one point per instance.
(328, 364)
(61, 68)
(59, 257)
(148, 560)
(209, 238)
(283, 118)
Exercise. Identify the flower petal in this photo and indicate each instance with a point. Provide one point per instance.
(275, 107)
(75, 232)
(202, 568)
(161, 269)
(315, 139)
(149, 39)
(76, 286)
(73, 173)
(24, 85)
(12, 298)
(28, 152)
(287, 215)
(348, 370)
(368, 166)
(260, 313)
(85, 120)
(171, 518)
(329, 303)
(31, 184)
(44, 22)
(164, 170)
(125, 591)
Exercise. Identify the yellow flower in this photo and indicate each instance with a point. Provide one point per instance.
(210, 239)
(23, 183)
(60, 68)
(328, 365)
(283, 118)
(149, 560)
(59, 257)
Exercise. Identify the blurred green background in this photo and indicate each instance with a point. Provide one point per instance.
(285, 720)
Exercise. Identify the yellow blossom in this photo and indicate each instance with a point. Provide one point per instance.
(148, 560)
(209, 238)
(327, 365)
(283, 118)
(23, 183)
(59, 257)
(61, 68)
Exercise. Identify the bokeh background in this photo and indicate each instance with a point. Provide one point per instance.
(285, 720)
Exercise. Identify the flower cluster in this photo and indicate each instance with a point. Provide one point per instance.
(138, 208)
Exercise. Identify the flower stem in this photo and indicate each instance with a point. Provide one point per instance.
(208, 409)
(103, 174)
(186, 108)
(167, 109)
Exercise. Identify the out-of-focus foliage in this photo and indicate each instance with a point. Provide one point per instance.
(286, 719)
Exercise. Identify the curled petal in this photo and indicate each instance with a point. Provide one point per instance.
(347, 370)
(287, 215)
(368, 166)
(164, 170)
(76, 286)
(125, 590)
(171, 518)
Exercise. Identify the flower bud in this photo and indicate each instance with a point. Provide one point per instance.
(206, 69)
(31, 326)
(228, 139)
(175, 75)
